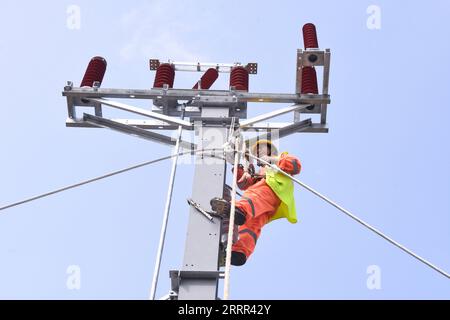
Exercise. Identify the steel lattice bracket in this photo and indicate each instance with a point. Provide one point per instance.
(252, 67)
(177, 275)
(314, 58)
(82, 97)
(164, 119)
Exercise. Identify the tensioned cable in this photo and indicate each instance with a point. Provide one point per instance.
(345, 211)
(351, 215)
(226, 290)
(162, 237)
(72, 186)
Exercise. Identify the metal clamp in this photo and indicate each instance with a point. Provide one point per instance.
(200, 209)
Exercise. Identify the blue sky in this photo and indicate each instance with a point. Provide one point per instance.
(385, 157)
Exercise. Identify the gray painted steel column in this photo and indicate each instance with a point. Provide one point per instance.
(203, 236)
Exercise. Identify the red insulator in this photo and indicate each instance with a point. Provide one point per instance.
(208, 78)
(310, 36)
(94, 72)
(309, 80)
(165, 74)
(239, 78)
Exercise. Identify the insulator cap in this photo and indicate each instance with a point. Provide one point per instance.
(310, 36)
(309, 80)
(95, 72)
(239, 78)
(208, 78)
(165, 74)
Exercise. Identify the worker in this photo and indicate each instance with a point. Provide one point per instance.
(269, 195)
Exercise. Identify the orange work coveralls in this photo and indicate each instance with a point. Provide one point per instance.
(259, 203)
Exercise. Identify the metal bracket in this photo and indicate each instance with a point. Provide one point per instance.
(172, 295)
(214, 100)
(252, 67)
(206, 214)
(76, 95)
(313, 58)
(213, 121)
(161, 125)
(177, 275)
(154, 64)
(125, 107)
(269, 115)
(138, 123)
(282, 132)
(138, 132)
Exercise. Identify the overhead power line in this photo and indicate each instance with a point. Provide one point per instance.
(360, 221)
(79, 184)
(302, 184)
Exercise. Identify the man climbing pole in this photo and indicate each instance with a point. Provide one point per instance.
(269, 195)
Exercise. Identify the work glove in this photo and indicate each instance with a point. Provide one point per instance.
(240, 171)
(268, 159)
(244, 180)
(251, 169)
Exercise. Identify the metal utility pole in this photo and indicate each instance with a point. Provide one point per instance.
(199, 275)
(211, 114)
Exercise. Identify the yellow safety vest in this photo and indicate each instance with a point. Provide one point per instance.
(284, 189)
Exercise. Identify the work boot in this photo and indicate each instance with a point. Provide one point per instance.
(223, 207)
(238, 258)
(222, 258)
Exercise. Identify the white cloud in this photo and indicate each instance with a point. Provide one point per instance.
(159, 30)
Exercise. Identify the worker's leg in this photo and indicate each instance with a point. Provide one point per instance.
(260, 203)
(248, 236)
(258, 200)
